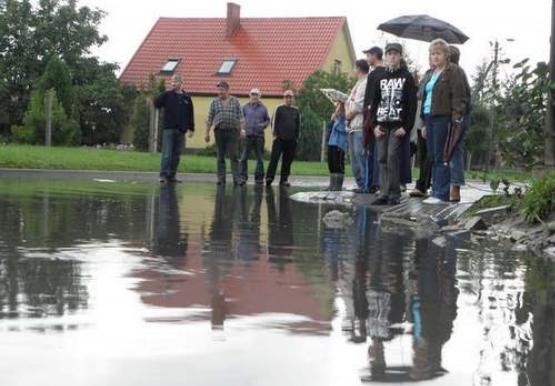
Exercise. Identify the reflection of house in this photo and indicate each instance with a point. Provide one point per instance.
(248, 52)
(249, 289)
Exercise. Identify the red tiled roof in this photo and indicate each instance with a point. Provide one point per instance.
(268, 51)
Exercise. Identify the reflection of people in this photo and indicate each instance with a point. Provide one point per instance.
(248, 244)
(433, 307)
(170, 241)
(286, 126)
(217, 248)
(178, 119)
(280, 224)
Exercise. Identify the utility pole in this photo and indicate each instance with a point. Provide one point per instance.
(48, 109)
(550, 119)
(494, 86)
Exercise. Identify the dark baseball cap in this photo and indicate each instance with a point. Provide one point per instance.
(394, 47)
(223, 84)
(374, 51)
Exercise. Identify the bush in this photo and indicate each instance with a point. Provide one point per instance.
(539, 200)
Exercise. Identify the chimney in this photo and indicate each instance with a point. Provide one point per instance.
(233, 20)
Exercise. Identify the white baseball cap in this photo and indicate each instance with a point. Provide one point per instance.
(255, 91)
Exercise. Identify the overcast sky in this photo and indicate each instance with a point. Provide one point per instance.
(527, 22)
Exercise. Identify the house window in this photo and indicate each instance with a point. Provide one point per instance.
(226, 67)
(337, 66)
(170, 66)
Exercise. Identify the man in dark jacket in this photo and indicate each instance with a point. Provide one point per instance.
(178, 119)
(286, 129)
(392, 115)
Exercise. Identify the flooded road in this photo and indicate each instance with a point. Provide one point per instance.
(113, 283)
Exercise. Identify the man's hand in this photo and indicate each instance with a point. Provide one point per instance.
(191, 133)
(378, 133)
(207, 137)
(423, 132)
(400, 132)
(243, 133)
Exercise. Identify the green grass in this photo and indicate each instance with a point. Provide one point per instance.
(75, 158)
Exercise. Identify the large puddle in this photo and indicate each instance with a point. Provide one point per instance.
(105, 283)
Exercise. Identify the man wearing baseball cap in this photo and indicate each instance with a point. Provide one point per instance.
(225, 117)
(392, 115)
(256, 120)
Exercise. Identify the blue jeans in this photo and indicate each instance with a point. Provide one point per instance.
(456, 165)
(173, 141)
(358, 157)
(436, 135)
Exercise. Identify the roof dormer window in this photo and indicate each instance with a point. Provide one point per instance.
(227, 67)
(170, 66)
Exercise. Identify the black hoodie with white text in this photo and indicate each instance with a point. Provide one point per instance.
(395, 95)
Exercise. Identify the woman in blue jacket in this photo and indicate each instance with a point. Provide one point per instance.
(337, 146)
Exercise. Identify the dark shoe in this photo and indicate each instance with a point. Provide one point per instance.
(381, 201)
(358, 190)
(285, 184)
(163, 180)
(374, 190)
(259, 182)
(417, 193)
(175, 181)
(395, 201)
(221, 182)
(268, 182)
(242, 183)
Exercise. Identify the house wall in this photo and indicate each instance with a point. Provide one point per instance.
(340, 50)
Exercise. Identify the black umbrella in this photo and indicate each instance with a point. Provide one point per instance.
(423, 27)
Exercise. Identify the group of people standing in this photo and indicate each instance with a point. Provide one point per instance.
(376, 120)
(230, 122)
(374, 123)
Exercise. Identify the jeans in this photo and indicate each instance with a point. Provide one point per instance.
(456, 165)
(358, 157)
(280, 147)
(227, 142)
(436, 136)
(256, 143)
(173, 141)
(389, 148)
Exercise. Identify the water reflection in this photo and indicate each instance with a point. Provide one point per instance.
(251, 262)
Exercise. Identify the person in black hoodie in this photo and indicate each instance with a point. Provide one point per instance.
(179, 118)
(392, 115)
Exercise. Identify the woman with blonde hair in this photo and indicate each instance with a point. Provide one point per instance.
(444, 103)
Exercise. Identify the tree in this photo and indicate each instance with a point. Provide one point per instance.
(29, 37)
(316, 109)
(57, 76)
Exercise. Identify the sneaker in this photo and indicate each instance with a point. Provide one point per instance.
(220, 182)
(395, 201)
(358, 190)
(403, 187)
(432, 201)
(242, 183)
(417, 193)
(374, 190)
(163, 180)
(259, 182)
(268, 182)
(381, 201)
(285, 184)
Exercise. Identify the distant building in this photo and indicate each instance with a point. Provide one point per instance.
(250, 52)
